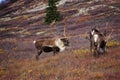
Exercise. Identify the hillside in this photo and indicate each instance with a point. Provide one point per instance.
(21, 22)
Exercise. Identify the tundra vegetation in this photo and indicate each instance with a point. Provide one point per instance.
(21, 24)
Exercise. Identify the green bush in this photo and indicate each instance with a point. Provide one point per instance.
(51, 12)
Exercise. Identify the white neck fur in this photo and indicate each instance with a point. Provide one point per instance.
(95, 37)
(60, 44)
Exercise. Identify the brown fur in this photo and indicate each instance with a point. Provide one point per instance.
(47, 42)
(101, 43)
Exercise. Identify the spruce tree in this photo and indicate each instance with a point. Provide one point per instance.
(51, 12)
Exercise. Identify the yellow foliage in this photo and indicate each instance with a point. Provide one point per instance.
(81, 51)
(2, 29)
(27, 33)
(15, 48)
(113, 43)
(26, 16)
(2, 72)
(16, 17)
(29, 71)
(1, 51)
(98, 75)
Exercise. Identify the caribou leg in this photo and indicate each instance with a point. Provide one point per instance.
(102, 48)
(55, 50)
(38, 54)
(98, 48)
(91, 46)
(95, 50)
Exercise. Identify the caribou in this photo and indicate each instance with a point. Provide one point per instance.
(55, 45)
(98, 41)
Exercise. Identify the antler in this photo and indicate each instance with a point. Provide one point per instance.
(109, 36)
(64, 33)
(52, 26)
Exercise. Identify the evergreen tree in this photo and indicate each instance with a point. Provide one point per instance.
(51, 12)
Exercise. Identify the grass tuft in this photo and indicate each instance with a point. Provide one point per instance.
(81, 52)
